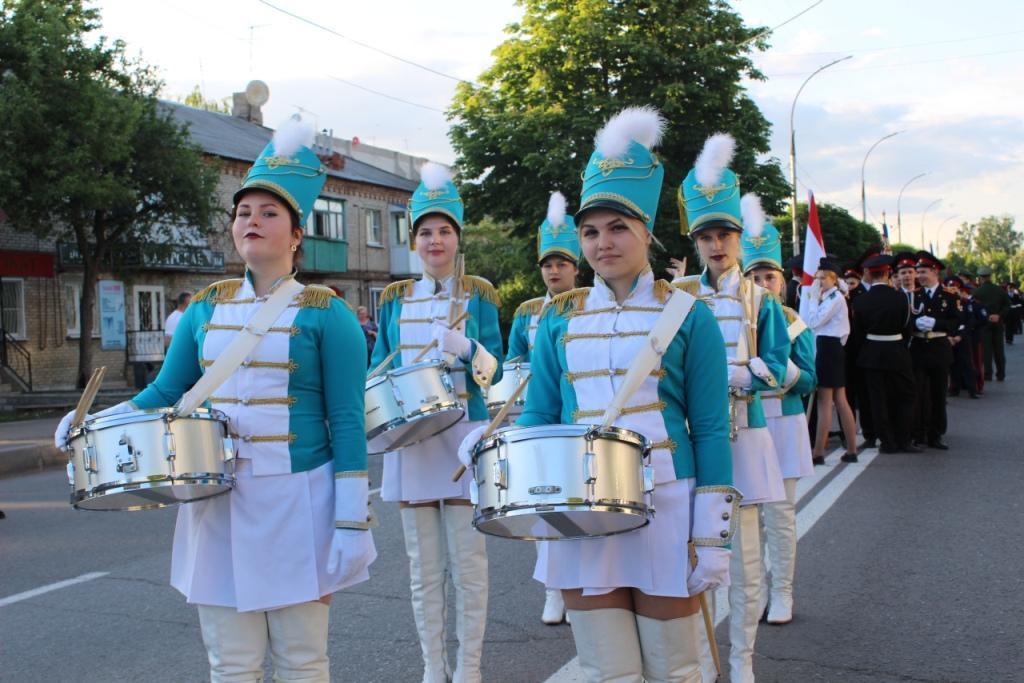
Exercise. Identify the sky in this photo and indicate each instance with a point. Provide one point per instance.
(949, 76)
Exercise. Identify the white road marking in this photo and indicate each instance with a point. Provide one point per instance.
(18, 597)
(805, 520)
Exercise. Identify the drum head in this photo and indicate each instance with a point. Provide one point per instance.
(151, 495)
(561, 522)
(412, 431)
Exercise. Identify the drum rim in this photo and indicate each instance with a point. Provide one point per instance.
(200, 478)
(144, 415)
(622, 434)
(435, 409)
(479, 518)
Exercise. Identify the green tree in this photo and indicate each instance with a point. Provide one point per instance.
(196, 100)
(845, 236)
(991, 242)
(86, 153)
(569, 65)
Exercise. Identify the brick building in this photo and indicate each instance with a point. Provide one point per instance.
(356, 241)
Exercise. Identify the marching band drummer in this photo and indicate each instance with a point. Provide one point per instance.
(757, 347)
(262, 561)
(415, 313)
(632, 596)
(784, 413)
(558, 255)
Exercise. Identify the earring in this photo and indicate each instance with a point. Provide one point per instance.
(295, 247)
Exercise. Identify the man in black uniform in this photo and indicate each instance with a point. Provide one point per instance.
(796, 266)
(1013, 315)
(855, 387)
(935, 315)
(995, 301)
(882, 317)
(963, 375)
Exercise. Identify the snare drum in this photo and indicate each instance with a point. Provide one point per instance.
(498, 394)
(149, 459)
(410, 404)
(556, 482)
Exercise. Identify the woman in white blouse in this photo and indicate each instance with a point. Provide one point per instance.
(827, 316)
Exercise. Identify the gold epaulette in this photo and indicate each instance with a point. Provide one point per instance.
(573, 300)
(471, 284)
(316, 296)
(791, 315)
(224, 290)
(396, 290)
(662, 290)
(768, 296)
(530, 307)
(689, 284)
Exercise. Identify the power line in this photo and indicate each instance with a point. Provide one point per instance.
(367, 46)
(903, 47)
(774, 28)
(384, 94)
(902, 64)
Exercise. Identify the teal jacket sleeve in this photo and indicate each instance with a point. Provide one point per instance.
(772, 343)
(385, 344)
(706, 388)
(482, 328)
(343, 367)
(544, 399)
(519, 338)
(181, 367)
(802, 355)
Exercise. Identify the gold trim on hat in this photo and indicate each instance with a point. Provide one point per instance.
(615, 197)
(276, 189)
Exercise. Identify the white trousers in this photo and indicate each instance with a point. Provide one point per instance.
(236, 643)
(744, 594)
(780, 541)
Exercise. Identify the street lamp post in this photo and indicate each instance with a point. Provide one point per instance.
(792, 148)
(863, 193)
(925, 213)
(899, 215)
(938, 232)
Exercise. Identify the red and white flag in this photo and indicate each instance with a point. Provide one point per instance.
(814, 251)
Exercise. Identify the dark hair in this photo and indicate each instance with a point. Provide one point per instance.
(451, 221)
(184, 297)
(296, 225)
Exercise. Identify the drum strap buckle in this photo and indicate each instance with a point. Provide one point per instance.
(126, 456)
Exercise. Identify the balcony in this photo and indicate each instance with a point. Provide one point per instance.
(145, 346)
(324, 255)
(149, 256)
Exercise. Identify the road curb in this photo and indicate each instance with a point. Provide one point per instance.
(18, 458)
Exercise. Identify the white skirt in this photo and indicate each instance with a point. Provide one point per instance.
(423, 472)
(262, 546)
(792, 445)
(755, 467)
(652, 558)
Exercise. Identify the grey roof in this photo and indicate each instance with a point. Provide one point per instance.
(230, 137)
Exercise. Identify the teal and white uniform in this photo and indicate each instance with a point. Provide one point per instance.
(584, 345)
(784, 408)
(422, 472)
(524, 328)
(295, 410)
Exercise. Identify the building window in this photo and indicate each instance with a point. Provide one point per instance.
(327, 220)
(72, 308)
(374, 227)
(375, 293)
(399, 227)
(12, 297)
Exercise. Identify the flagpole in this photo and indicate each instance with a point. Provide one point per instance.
(792, 148)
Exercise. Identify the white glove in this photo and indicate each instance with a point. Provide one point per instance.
(352, 551)
(792, 373)
(60, 437)
(740, 377)
(925, 323)
(760, 369)
(712, 570)
(451, 341)
(814, 291)
(466, 447)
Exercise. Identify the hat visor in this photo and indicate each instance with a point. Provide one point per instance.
(716, 223)
(437, 212)
(761, 264)
(609, 204)
(286, 201)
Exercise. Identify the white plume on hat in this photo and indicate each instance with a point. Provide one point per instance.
(714, 158)
(435, 176)
(556, 209)
(644, 125)
(293, 134)
(753, 214)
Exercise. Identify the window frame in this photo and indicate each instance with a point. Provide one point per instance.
(22, 334)
(76, 332)
(336, 227)
(374, 240)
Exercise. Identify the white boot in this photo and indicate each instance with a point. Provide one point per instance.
(608, 645)
(424, 544)
(780, 540)
(670, 648)
(744, 594)
(298, 642)
(467, 560)
(236, 643)
(554, 607)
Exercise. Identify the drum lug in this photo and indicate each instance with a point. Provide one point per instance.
(501, 473)
(126, 456)
(169, 450)
(474, 492)
(229, 449)
(589, 468)
(89, 459)
(648, 479)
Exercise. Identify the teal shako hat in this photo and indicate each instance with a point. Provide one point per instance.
(436, 194)
(760, 244)
(557, 234)
(623, 174)
(709, 196)
(288, 168)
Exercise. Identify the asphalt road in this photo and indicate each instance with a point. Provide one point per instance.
(913, 574)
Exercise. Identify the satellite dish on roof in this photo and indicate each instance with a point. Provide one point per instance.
(257, 93)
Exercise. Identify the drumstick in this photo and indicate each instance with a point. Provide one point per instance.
(386, 362)
(88, 395)
(498, 419)
(422, 354)
(455, 301)
(709, 624)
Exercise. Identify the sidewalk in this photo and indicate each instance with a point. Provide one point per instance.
(27, 445)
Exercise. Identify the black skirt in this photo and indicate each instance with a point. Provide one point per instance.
(829, 362)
